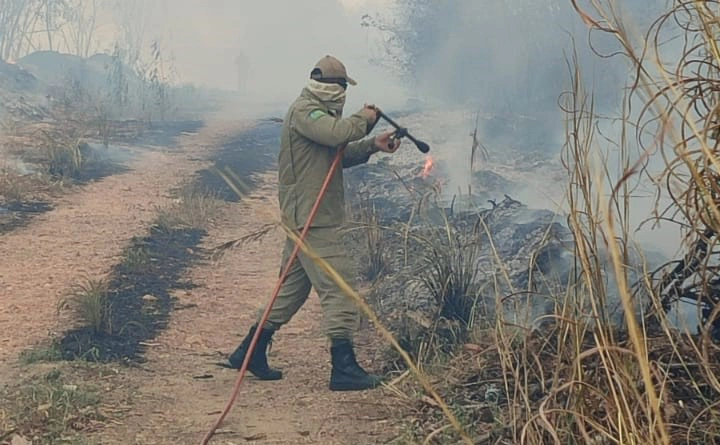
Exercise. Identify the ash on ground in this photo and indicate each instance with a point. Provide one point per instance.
(448, 244)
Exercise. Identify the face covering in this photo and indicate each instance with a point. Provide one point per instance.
(331, 94)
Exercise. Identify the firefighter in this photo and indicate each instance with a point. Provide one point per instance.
(313, 130)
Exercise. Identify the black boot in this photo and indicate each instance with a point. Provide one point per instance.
(258, 363)
(346, 374)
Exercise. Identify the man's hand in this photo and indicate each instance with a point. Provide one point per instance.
(386, 143)
(370, 113)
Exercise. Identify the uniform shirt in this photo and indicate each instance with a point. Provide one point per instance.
(311, 136)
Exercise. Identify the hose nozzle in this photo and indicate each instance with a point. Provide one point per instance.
(402, 132)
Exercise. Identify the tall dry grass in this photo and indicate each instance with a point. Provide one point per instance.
(589, 376)
(584, 378)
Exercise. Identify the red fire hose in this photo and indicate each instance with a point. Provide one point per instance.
(281, 280)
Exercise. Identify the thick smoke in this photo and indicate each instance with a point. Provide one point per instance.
(265, 50)
(507, 58)
(512, 62)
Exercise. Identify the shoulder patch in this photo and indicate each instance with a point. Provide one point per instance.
(316, 114)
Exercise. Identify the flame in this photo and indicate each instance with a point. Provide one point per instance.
(429, 164)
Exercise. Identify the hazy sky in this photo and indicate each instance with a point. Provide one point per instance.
(282, 40)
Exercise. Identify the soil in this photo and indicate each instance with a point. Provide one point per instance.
(176, 392)
(181, 391)
(140, 296)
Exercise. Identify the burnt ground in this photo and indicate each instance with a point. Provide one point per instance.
(161, 134)
(141, 298)
(17, 214)
(141, 290)
(249, 153)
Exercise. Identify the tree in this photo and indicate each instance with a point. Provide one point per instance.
(56, 25)
(18, 20)
(81, 20)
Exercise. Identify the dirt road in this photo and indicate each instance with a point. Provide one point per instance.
(178, 393)
(182, 391)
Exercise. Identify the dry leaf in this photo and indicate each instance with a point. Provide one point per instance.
(19, 440)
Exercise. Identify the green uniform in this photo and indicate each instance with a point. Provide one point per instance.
(311, 135)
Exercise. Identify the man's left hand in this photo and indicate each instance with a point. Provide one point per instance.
(386, 143)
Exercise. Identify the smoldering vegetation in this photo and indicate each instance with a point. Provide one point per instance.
(561, 319)
(71, 112)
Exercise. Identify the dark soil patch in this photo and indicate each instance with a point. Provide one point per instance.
(163, 134)
(99, 169)
(141, 286)
(140, 297)
(251, 152)
(16, 215)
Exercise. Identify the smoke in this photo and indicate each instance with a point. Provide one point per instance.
(264, 51)
(512, 63)
(509, 61)
(506, 60)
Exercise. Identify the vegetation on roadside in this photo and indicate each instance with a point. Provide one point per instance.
(90, 305)
(374, 261)
(57, 407)
(579, 372)
(195, 207)
(14, 188)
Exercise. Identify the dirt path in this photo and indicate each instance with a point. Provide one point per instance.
(173, 405)
(176, 396)
(84, 236)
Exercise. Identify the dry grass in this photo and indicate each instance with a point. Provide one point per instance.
(374, 263)
(51, 409)
(583, 378)
(13, 187)
(450, 271)
(16, 188)
(90, 305)
(194, 208)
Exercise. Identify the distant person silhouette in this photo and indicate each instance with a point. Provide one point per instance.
(242, 62)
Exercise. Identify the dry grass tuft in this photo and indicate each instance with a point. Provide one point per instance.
(50, 409)
(13, 187)
(194, 208)
(89, 303)
(374, 263)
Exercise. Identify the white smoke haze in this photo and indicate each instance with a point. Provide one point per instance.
(509, 61)
(280, 41)
(276, 42)
(506, 60)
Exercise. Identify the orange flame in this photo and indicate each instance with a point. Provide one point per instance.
(429, 164)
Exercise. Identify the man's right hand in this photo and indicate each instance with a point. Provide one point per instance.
(369, 112)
